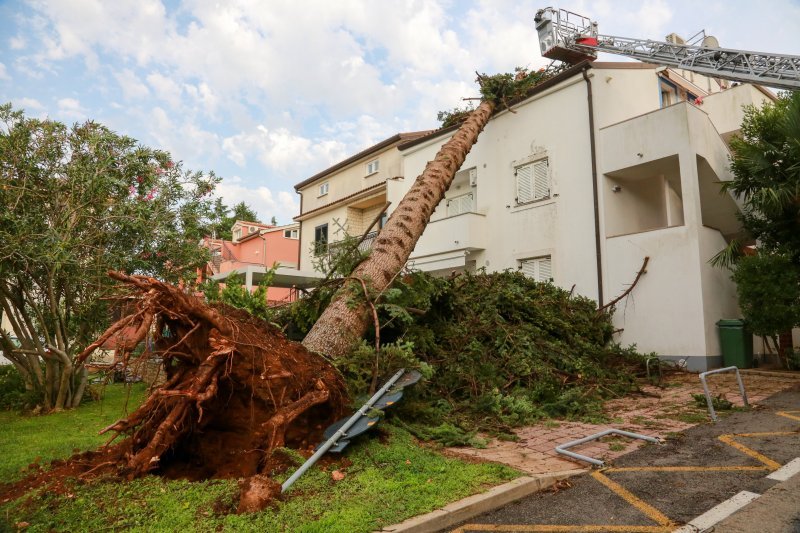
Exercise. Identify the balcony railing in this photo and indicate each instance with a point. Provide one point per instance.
(332, 248)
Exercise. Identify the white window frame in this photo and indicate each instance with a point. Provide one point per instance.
(237, 234)
(373, 167)
(291, 233)
(532, 181)
(324, 188)
(538, 268)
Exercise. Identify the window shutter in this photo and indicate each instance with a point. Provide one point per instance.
(528, 267)
(541, 185)
(540, 269)
(545, 269)
(524, 184)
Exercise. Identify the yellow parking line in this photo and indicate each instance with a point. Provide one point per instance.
(523, 528)
(686, 468)
(651, 512)
(766, 434)
(728, 439)
(789, 414)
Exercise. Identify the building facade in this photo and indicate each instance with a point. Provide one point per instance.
(254, 249)
(596, 169)
(348, 198)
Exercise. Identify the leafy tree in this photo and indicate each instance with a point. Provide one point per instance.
(76, 202)
(235, 294)
(223, 218)
(242, 211)
(766, 169)
(769, 293)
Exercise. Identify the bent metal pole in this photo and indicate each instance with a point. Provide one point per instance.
(341, 433)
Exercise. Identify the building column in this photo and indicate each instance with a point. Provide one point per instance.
(248, 279)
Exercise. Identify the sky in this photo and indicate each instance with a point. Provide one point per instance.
(267, 93)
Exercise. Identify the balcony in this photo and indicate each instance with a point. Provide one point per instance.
(465, 232)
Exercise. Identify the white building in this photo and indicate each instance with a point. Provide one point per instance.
(596, 169)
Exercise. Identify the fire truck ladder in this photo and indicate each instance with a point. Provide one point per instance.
(572, 38)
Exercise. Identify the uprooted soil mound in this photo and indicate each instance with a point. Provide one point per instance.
(235, 389)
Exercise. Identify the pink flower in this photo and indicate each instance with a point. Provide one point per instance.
(170, 164)
(131, 189)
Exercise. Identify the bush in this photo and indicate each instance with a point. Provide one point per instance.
(13, 396)
(498, 351)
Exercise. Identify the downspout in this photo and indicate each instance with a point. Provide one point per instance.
(300, 233)
(598, 252)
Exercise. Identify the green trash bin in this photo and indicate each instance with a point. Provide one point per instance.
(736, 343)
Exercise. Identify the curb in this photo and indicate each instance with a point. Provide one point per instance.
(477, 504)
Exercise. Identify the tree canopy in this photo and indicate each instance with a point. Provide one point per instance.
(766, 169)
(75, 202)
(224, 217)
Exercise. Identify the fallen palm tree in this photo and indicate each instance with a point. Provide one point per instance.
(235, 389)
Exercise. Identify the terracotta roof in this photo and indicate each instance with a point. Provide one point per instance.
(399, 137)
(249, 223)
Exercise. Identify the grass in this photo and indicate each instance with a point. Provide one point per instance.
(24, 439)
(387, 482)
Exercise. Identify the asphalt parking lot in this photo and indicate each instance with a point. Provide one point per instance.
(663, 486)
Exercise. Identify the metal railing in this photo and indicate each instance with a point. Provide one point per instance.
(709, 399)
(562, 449)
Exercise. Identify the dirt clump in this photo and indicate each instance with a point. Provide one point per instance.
(235, 389)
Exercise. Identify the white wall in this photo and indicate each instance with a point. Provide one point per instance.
(353, 178)
(6, 326)
(553, 124)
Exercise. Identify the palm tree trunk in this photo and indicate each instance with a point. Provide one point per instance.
(345, 320)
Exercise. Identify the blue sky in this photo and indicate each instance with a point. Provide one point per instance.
(267, 93)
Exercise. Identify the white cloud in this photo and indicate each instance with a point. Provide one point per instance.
(132, 87)
(29, 105)
(282, 151)
(71, 109)
(17, 43)
(283, 205)
(3, 73)
(166, 89)
(181, 136)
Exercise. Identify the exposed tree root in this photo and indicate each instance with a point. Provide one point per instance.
(235, 390)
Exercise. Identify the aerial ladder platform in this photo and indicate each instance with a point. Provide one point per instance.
(572, 38)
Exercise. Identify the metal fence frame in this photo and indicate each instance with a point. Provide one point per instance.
(709, 399)
(562, 449)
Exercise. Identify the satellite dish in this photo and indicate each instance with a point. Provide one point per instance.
(710, 42)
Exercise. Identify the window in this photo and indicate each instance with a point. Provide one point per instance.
(291, 233)
(532, 181)
(459, 204)
(372, 167)
(237, 234)
(321, 239)
(669, 93)
(323, 189)
(538, 268)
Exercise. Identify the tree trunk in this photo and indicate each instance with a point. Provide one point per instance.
(345, 320)
(785, 347)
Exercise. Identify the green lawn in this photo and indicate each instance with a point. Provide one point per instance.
(386, 483)
(23, 438)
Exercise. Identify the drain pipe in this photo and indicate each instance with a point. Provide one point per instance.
(598, 253)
